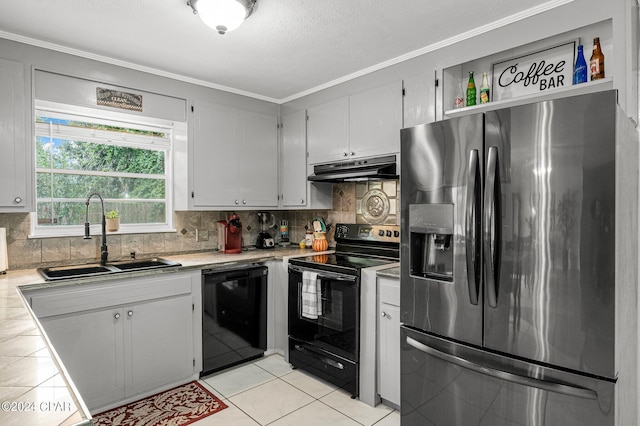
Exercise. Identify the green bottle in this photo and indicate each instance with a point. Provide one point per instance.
(471, 90)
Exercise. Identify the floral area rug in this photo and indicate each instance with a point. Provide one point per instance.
(179, 406)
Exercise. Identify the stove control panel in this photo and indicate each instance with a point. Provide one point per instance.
(364, 232)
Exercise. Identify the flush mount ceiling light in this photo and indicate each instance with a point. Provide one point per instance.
(222, 15)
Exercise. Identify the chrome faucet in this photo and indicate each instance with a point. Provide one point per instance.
(104, 254)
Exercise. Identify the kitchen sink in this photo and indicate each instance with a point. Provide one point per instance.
(66, 272)
(132, 265)
(84, 271)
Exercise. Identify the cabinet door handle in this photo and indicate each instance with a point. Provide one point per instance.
(130, 313)
(383, 314)
(237, 202)
(353, 153)
(244, 201)
(346, 154)
(18, 200)
(116, 316)
(301, 201)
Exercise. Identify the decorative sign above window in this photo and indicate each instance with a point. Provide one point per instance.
(118, 99)
(534, 73)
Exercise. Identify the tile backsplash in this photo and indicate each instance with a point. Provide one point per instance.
(25, 252)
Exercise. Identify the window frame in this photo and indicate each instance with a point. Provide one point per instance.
(118, 119)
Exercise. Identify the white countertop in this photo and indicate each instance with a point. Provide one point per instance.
(391, 272)
(34, 386)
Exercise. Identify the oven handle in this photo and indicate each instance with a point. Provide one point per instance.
(324, 274)
(325, 360)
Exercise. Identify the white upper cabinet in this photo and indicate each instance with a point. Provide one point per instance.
(234, 158)
(375, 120)
(328, 131)
(215, 155)
(13, 140)
(258, 160)
(293, 164)
(296, 192)
(419, 100)
(362, 125)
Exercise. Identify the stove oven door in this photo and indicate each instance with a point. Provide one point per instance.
(326, 345)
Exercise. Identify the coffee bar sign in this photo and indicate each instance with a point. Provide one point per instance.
(534, 73)
(117, 99)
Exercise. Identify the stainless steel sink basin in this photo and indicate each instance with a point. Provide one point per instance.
(66, 272)
(83, 271)
(132, 265)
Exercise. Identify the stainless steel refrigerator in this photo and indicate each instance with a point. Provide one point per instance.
(508, 276)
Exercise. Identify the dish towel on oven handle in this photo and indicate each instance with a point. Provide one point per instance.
(310, 295)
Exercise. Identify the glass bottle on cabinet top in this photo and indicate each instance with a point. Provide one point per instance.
(484, 89)
(471, 90)
(596, 63)
(458, 101)
(561, 47)
(580, 69)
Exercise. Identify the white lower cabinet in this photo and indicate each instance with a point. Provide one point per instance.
(389, 340)
(90, 345)
(159, 337)
(277, 300)
(122, 339)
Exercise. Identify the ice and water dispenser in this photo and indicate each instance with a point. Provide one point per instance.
(431, 241)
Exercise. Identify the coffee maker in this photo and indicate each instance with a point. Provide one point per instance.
(230, 235)
(265, 240)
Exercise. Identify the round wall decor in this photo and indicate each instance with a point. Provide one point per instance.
(375, 206)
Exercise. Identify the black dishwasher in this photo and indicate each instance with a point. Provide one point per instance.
(234, 316)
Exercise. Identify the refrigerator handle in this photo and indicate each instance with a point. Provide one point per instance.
(491, 227)
(472, 227)
(561, 388)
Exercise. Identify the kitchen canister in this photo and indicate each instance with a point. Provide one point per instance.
(4, 258)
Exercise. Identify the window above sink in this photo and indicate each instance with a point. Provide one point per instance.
(80, 150)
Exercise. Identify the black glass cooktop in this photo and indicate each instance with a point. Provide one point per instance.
(342, 262)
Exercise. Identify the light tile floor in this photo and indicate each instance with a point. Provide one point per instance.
(269, 392)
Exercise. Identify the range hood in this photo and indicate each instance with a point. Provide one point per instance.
(379, 168)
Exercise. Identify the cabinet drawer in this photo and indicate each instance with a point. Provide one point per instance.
(88, 296)
(389, 291)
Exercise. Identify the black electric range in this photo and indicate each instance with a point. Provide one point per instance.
(324, 302)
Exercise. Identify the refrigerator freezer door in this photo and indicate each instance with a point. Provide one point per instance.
(441, 201)
(444, 383)
(554, 278)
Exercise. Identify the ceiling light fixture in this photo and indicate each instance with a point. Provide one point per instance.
(222, 15)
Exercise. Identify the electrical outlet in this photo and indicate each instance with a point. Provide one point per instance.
(202, 235)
